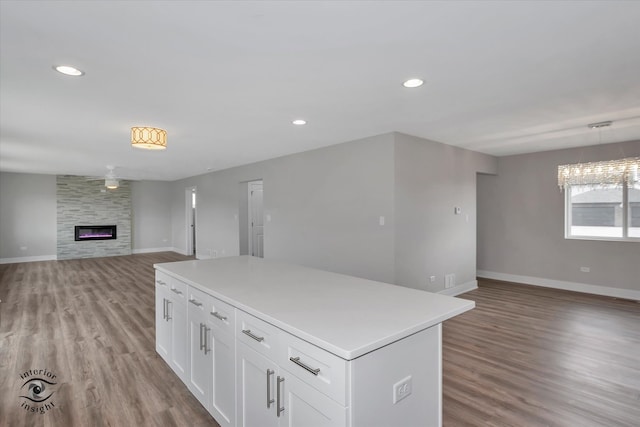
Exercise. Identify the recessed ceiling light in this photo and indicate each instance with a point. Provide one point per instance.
(299, 122)
(413, 83)
(68, 70)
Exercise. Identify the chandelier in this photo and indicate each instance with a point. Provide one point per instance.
(149, 138)
(608, 172)
(597, 174)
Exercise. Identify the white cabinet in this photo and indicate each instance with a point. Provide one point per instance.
(268, 394)
(211, 350)
(257, 351)
(171, 323)
(199, 379)
(222, 400)
(179, 326)
(304, 406)
(256, 383)
(163, 327)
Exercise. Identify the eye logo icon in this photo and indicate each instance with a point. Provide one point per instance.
(37, 390)
(37, 387)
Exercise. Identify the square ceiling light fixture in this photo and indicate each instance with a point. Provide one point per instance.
(149, 138)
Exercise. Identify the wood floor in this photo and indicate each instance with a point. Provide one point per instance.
(529, 356)
(525, 356)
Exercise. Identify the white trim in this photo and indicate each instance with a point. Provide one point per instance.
(460, 289)
(150, 250)
(561, 284)
(28, 259)
(189, 212)
(179, 250)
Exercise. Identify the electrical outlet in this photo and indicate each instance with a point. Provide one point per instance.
(401, 389)
(432, 279)
(449, 280)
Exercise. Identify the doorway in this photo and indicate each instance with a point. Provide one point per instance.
(190, 214)
(256, 220)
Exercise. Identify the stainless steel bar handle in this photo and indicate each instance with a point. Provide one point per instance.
(169, 310)
(206, 339)
(296, 360)
(164, 308)
(195, 302)
(269, 399)
(160, 282)
(255, 337)
(218, 316)
(279, 409)
(201, 325)
(176, 291)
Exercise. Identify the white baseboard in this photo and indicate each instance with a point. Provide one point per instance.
(179, 251)
(28, 259)
(560, 284)
(150, 250)
(460, 289)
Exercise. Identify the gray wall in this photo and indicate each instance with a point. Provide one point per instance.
(521, 223)
(324, 206)
(431, 179)
(83, 202)
(151, 222)
(27, 216)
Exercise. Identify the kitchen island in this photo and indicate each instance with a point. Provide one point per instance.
(264, 343)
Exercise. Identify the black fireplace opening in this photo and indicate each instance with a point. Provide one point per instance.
(95, 232)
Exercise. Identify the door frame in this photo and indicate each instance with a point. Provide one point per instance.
(250, 213)
(189, 233)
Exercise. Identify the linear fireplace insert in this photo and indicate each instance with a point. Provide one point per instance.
(95, 232)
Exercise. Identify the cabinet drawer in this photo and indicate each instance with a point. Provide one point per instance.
(320, 369)
(222, 315)
(163, 280)
(257, 334)
(178, 291)
(198, 300)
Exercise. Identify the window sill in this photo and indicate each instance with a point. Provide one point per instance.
(604, 239)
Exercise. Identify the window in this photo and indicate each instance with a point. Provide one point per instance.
(603, 212)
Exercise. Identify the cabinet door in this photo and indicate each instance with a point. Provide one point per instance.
(223, 391)
(179, 340)
(256, 382)
(305, 406)
(200, 357)
(163, 327)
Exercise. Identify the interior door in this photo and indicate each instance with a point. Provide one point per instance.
(256, 219)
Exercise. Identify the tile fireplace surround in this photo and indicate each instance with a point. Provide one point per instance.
(81, 202)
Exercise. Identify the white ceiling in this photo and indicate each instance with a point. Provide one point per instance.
(225, 79)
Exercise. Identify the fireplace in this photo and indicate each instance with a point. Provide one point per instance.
(95, 232)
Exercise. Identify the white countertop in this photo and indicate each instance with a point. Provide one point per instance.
(344, 315)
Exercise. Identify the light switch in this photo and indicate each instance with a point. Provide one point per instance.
(381, 220)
